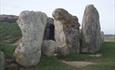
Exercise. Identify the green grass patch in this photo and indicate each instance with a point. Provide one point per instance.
(9, 32)
(50, 63)
(106, 61)
(8, 49)
(73, 56)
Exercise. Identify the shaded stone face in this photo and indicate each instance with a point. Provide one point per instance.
(90, 30)
(32, 25)
(66, 30)
(49, 30)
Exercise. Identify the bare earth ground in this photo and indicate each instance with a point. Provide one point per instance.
(78, 64)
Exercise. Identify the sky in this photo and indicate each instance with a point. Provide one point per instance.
(106, 9)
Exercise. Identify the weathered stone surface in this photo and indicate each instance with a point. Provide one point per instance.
(2, 61)
(90, 30)
(66, 31)
(32, 25)
(8, 18)
(49, 30)
(49, 47)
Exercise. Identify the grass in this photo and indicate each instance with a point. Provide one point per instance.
(10, 33)
(8, 49)
(50, 63)
(106, 61)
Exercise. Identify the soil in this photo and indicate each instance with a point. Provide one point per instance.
(78, 64)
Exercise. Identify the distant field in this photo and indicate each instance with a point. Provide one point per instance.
(9, 32)
(109, 38)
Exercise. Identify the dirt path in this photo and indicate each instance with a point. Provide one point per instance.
(78, 64)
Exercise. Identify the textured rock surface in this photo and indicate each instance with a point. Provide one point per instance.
(49, 47)
(66, 30)
(32, 25)
(91, 37)
(49, 30)
(2, 61)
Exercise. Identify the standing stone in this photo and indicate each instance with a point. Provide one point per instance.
(66, 31)
(90, 30)
(49, 47)
(49, 30)
(2, 61)
(32, 25)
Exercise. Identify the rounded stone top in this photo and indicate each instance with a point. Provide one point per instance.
(91, 10)
(60, 13)
(90, 7)
(30, 13)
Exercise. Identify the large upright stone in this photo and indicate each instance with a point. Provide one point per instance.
(66, 31)
(32, 25)
(2, 61)
(91, 37)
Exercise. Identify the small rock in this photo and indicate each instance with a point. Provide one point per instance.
(49, 47)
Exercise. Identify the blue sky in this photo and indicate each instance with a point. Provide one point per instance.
(106, 9)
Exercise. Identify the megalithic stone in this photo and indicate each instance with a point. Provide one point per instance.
(91, 37)
(66, 31)
(32, 25)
